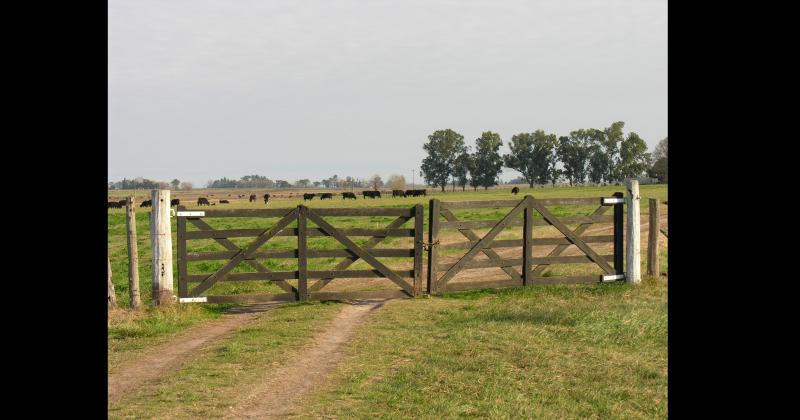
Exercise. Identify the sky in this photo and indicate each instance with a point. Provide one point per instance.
(202, 89)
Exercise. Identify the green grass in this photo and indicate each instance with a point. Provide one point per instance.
(596, 351)
(217, 376)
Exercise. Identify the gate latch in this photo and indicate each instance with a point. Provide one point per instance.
(427, 245)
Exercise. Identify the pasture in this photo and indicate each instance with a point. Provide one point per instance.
(501, 353)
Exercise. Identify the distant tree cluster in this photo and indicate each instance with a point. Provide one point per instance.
(594, 155)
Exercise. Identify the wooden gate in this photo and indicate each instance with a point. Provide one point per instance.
(532, 268)
(287, 219)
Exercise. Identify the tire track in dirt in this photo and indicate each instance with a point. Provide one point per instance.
(165, 358)
(306, 370)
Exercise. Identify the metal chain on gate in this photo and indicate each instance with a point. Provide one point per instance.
(427, 245)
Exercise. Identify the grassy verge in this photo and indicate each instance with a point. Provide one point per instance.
(218, 376)
(595, 351)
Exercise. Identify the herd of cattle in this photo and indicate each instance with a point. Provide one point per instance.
(203, 201)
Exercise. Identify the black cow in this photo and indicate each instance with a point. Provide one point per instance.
(348, 195)
(371, 194)
(174, 202)
(326, 195)
(266, 198)
(224, 202)
(418, 193)
(113, 205)
(122, 203)
(203, 200)
(146, 203)
(515, 190)
(308, 196)
(398, 193)
(252, 198)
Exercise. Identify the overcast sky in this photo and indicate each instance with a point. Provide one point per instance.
(201, 89)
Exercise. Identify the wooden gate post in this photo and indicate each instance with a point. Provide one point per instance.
(112, 296)
(302, 253)
(527, 241)
(653, 264)
(133, 253)
(634, 258)
(433, 237)
(619, 232)
(161, 240)
(419, 237)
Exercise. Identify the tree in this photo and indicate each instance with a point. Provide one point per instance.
(634, 157)
(573, 152)
(461, 168)
(376, 182)
(443, 147)
(316, 184)
(186, 186)
(610, 141)
(521, 157)
(534, 156)
(661, 150)
(282, 184)
(175, 183)
(659, 170)
(487, 160)
(396, 182)
(545, 153)
(302, 183)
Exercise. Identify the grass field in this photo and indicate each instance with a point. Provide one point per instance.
(131, 332)
(575, 351)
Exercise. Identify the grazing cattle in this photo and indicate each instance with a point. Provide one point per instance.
(398, 193)
(113, 205)
(252, 198)
(415, 193)
(203, 200)
(371, 194)
(266, 198)
(122, 203)
(409, 193)
(515, 190)
(308, 196)
(146, 203)
(326, 195)
(224, 202)
(174, 202)
(348, 195)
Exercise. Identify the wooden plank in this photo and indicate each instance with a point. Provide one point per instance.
(512, 272)
(364, 255)
(233, 247)
(508, 243)
(255, 298)
(260, 240)
(664, 231)
(276, 213)
(433, 239)
(573, 237)
(478, 224)
(481, 244)
(566, 280)
(576, 259)
(315, 232)
(511, 203)
(419, 215)
(272, 276)
(372, 294)
(133, 253)
(183, 286)
(653, 267)
(485, 284)
(161, 246)
(409, 212)
(619, 227)
(370, 244)
(356, 274)
(302, 250)
(292, 253)
(527, 236)
(633, 267)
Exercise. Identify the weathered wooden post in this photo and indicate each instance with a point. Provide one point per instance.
(419, 237)
(633, 270)
(133, 253)
(653, 264)
(527, 242)
(433, 237)
(619, 234)
(112, 297)
(161, 240)
(302, 253)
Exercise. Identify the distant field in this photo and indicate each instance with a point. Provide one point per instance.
(144, 328)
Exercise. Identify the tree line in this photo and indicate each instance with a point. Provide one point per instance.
(596, 155)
